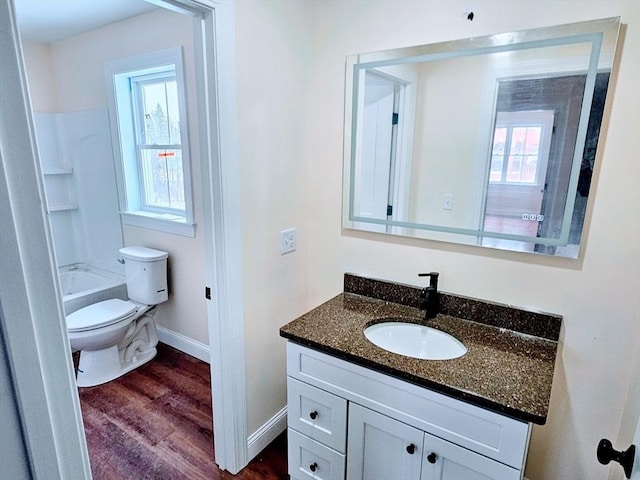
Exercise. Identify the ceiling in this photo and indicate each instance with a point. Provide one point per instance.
(47, 21)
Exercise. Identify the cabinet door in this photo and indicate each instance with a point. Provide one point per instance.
(381, 448)
(444, 460)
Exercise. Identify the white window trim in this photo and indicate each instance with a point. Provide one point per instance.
(155, 221)
(528, 118)
(131, 212)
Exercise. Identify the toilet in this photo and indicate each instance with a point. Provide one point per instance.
(115, 336)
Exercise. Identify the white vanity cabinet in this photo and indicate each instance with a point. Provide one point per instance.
(347, 421)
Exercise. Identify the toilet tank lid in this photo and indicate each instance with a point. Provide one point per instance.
(143, 254)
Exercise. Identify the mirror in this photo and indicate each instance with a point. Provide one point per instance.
(488, 141)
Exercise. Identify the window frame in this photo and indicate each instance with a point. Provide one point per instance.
(137, 83)
(543, 119)
(125, 132)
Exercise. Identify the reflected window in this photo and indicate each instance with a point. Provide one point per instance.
(520, 147)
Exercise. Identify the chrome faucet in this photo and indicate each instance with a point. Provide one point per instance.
(429, 299)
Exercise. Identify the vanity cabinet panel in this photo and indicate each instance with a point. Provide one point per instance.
(310, 459)
(442, 460)
(488, 433)
(381, 448)
(317, 414)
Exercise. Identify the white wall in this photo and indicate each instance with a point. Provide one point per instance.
(42, 85)
(598, 295)
(77, 64)
(443, 162)
(273, 65)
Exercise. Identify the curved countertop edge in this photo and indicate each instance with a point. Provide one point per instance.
(432, 385)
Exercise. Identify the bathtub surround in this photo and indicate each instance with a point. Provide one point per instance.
(76, 159)
(84, 285)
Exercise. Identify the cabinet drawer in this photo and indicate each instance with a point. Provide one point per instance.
(310, 459)
(318, 414)
(488, 433)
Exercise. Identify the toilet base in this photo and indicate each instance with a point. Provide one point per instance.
(101, 366)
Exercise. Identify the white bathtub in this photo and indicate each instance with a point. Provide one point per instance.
(84, 285)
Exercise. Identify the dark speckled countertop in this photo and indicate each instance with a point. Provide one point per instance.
(511, 353)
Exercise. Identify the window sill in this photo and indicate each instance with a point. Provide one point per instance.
(161, 222)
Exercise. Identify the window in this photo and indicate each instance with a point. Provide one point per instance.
(149, 129)
(520, 151)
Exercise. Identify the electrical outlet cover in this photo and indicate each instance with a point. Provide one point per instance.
(287, 241)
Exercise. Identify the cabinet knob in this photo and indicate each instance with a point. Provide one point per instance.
(313, 467)
(432, 458)
(411, 449)
(313, 415)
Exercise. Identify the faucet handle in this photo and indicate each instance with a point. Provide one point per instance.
(433, 278)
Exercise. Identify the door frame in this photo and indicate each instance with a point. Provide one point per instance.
(46, 394)
(214, 46)
(31, 314)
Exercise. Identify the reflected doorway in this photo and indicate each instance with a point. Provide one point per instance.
(517, 173)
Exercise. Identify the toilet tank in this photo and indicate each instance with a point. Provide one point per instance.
(145, 270)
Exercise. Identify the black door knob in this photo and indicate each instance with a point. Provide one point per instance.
(411, 449)
(313, 467)
(313, 415)
(606, 453)
(432, 457)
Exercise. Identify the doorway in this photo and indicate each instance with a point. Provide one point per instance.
(383, 161)
(551, 108)
(517, 173)
(213, 34)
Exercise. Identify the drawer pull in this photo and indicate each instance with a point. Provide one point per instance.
(313, 415)
(411, 449)
(313, 467)
(432, 457)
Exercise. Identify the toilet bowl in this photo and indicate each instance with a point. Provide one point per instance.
(115, 336)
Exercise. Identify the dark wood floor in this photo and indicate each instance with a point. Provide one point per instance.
(156, 423)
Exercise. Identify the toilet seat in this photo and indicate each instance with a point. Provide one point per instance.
(101, 314)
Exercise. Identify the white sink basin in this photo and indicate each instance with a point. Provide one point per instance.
(413, 340)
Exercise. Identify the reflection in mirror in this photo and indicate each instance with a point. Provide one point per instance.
(488, 141)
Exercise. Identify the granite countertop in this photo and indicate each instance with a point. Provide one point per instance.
(504, 370)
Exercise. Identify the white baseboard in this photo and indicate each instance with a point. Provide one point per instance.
(184, 344)
(267, 433)
(262, 437)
